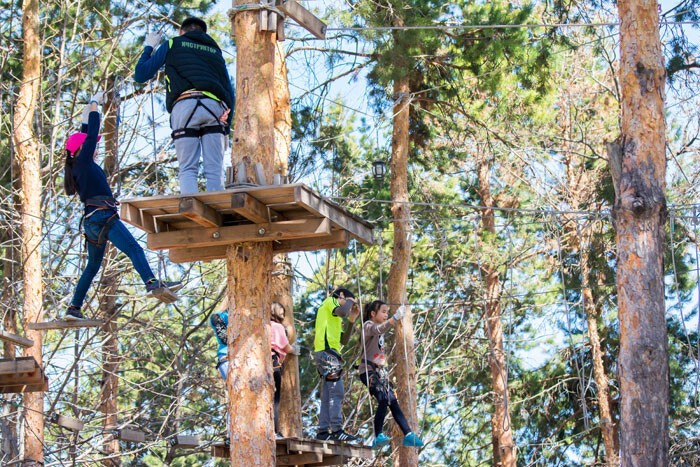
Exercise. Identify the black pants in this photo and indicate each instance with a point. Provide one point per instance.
(277, 375)
(386, 400)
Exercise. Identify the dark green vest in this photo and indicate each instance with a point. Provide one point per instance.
(194, 61)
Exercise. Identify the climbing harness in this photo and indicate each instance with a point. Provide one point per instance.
(187, 132)
(330, 366)
(101, 203)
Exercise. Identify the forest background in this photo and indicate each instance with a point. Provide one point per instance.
(511, 199)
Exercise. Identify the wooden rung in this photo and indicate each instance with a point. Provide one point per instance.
(67, 422)
(252, 209)
(195, 210)
(185, 442)
(61, 324)
(165, 295)
(304, 17)
(15, 339)
(133, 436)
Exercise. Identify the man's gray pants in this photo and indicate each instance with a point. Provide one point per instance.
(332, 395)
(189, 149)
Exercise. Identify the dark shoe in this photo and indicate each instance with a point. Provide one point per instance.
(73, 314)
(279, 435)
(217, 322)
(227, 442)
(341, 435)
(323, 435)
(154, 284)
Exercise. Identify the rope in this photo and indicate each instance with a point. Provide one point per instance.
(362, 329)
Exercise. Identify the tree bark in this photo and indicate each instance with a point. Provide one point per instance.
(250, 264)
(403, 356)
(290, 423)
(108, 305)
(29, 161)
(607, 426)
(250, 365)
(501, 429)
(639, 217)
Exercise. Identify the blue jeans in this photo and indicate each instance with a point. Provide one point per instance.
(121, 238)
(189, 149)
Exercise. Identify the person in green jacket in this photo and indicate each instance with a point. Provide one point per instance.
(330, 335)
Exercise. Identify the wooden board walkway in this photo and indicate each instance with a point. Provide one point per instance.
(309, 452)
(22, 374)
(201, 226)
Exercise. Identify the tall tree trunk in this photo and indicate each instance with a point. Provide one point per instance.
(29, 161)
(639, 216)
(281, 282)
(607, 426)
(403, 356)
(250, 264)
(108, 302)
(501, 429)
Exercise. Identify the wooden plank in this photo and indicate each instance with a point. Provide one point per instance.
(302, 445)
(337, 239)
(195, 210)
(332, 460)
(40, 387)
(359, 229)
(60, 324)
(165, 295)
(252, 209)
(134, 216)
(67, 422)
(134, 436)
(284, 230)
(300, 459)
(304, 17)
(220, 450)
(185, 442)
(15, 339)
(10, 366)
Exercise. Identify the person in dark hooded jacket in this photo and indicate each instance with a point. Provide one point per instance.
(199, 97)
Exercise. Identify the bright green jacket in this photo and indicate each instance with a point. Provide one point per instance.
(329, 327)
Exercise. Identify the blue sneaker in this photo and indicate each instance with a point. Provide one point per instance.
(412, 440)
(380, 441)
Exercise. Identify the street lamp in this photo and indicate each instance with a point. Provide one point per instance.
(378, 170)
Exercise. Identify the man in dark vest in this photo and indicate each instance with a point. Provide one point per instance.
(199, 97)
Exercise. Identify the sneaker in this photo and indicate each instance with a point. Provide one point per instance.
(341, 435)
(278, 435)
(219, 326)
(412, 440)
(154, 284)
(73, 314)
(323, 435)
(380, 440)
(227, 442)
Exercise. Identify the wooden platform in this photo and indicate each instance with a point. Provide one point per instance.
(200, 226)
(22, 375)
(300, 451)
(60, 324)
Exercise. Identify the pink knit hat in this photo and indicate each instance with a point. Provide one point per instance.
(76, 140)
